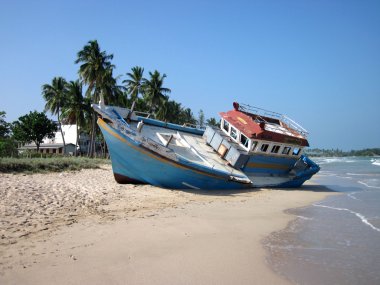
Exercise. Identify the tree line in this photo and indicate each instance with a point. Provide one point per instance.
(316, 152)
(71, 101)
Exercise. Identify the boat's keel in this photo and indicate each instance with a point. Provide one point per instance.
(122, 179)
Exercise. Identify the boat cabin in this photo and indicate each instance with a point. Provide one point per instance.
(249, 134)
(264, 132)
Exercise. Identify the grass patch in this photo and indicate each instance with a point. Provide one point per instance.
(51, 164)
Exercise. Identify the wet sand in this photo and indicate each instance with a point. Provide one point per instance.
(82, 227)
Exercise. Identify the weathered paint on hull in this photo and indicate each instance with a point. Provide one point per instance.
(131, 160)
(270, 171)
(259, 164)
(132, 163)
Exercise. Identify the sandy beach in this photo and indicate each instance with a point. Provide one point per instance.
(84, 228)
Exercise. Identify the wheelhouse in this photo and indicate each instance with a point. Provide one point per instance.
(273, 134)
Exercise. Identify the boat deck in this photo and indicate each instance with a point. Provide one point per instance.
(192, 148)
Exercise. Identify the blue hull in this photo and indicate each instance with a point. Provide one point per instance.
(132, 161)
(260, 166)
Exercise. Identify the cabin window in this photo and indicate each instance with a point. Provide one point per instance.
(296, 151)
(226, 126)
(254, 144)
(233, 133)
(286, 150)
(264, 147)
(275, 149)
(244, 140)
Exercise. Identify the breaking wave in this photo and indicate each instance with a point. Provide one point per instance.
(333, 160)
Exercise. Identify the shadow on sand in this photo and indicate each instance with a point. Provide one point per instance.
(307, 188)
(311, 188)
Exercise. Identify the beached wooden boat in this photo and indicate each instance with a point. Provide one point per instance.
(252, 148)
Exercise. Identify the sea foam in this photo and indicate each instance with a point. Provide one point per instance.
(360, 216)
(367, 185)
(351, 195)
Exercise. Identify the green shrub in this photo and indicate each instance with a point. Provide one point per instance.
(49, 164)
(7, 147)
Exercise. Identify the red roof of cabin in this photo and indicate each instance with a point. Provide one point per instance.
(245, 123)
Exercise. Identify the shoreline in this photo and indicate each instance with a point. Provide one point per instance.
(62, 230)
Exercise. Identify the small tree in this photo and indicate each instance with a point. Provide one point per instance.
(7, 144)
(4, 126)
(33, 127)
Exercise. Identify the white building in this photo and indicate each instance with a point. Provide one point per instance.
(55, 144)
(69, 132)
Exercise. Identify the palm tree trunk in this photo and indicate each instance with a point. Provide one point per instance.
(89, 150)
(76, 143)
(63, 137)
(92, 148)
(104, 149)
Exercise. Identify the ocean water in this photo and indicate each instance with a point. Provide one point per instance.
(337, 240)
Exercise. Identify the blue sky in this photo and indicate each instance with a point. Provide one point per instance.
(316, 61)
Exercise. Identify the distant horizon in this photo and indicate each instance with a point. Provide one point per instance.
(344, 151)
(317, 62)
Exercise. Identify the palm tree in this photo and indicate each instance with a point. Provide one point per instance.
(170, 112)
(163, 110)
(153, 90)
(95, 70)
(134, 83)
(188, 117)
(142, 105)
(113, 93)
(54, 96)
(73, 111)
(212, 122)
(88, 113)
(95, 65)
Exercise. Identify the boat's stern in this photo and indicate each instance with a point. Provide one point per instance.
(302, 171)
